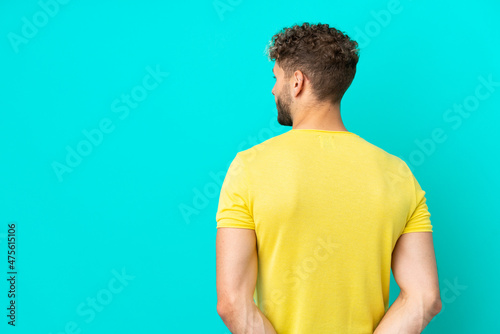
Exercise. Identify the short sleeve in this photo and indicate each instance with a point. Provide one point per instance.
(419, 220)
(233, 209)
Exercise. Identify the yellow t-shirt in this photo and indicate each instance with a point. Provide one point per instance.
(327, 208)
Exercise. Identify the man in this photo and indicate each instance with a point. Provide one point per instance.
(310, 222)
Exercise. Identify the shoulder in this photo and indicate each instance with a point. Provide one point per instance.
(268, 146)
(389, 161)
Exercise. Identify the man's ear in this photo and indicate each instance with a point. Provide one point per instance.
(298, 85)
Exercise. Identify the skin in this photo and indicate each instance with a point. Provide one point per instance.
(415, 271)
(298, 107)
(236, 270)
(413, 261)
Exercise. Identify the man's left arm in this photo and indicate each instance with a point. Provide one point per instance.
(237, 266)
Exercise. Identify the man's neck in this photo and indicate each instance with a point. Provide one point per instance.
(321, 118)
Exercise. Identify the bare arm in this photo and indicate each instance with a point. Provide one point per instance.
(415, 271)
(237, 265)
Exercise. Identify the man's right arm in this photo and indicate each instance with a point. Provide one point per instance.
(415, 271)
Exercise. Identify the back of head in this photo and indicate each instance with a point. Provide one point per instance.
(324, 54)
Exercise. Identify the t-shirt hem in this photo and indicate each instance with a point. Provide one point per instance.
(235, 226)
(233, 223)
(410, 231)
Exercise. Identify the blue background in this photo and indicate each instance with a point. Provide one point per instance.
(141, 201)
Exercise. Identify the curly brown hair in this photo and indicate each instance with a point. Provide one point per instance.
(325, 55)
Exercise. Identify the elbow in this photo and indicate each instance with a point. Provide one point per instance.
(233, 307)
(222, 309)
(225, 308)
(435, 306)
(427, 306)
(430, 305)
